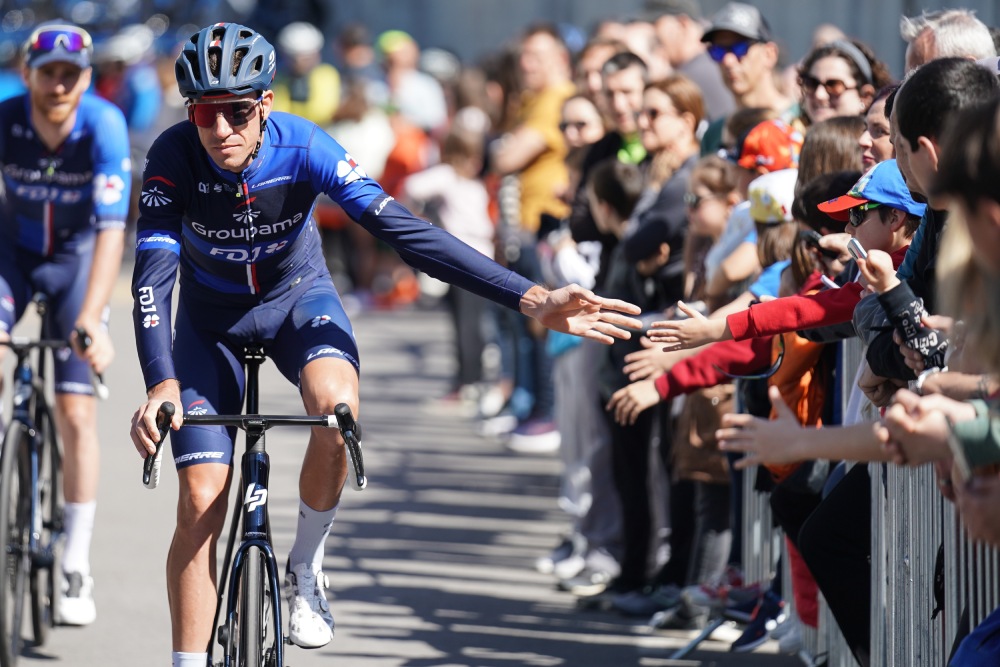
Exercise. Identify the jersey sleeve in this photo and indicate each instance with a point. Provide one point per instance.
(157, 255)
(792, 313)
(420, 244)
(112, 168)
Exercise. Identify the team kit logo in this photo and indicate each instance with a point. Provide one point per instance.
(150, 321)
(197, 408)
(152, 195)
(320, 320)
(349, 171)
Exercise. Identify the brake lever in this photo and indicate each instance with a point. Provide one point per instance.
(350, 429)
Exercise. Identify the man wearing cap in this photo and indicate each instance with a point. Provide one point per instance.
(739, 40)
(66, 170)
(679, 29)
(308, 87)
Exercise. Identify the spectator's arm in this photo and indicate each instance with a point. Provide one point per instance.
(515, 150)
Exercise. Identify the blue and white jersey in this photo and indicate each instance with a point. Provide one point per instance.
(55, 197)
(248, 238)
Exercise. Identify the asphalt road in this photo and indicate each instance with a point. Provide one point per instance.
(432, 565)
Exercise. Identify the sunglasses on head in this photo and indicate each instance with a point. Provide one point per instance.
(857, 215)
(70, 38)
(833, 87)
(739, 49)
(236, 113)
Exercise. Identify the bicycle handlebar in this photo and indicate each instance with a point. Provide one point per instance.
(151, 465)
(342, 418)
(97, 379)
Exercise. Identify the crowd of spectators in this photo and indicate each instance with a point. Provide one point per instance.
(673, 162)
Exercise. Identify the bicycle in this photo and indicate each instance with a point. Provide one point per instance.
(31, 509)
(251, 631)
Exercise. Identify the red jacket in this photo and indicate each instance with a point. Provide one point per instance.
(802, 311)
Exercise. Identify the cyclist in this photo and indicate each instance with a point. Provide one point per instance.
(66, 170)
(228, 199)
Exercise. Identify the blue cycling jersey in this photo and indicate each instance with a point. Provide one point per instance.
(249, 238)
(56, 197)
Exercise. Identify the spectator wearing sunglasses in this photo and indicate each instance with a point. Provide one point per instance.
(64, 233)
(840, 79)
(679, 29)
(739, 39)
(879, 211)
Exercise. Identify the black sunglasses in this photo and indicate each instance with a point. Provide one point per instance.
(857, 215)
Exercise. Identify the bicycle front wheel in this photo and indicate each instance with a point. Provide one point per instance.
(44, 584)
(253, 636)
(15, 527)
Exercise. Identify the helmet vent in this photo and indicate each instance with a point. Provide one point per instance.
(238, 56)
(214, 58)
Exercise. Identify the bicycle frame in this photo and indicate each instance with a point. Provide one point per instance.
(253, 496)
(31, 408)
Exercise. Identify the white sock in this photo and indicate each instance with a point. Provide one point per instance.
(79, 530)
(189, 659)
(310, 535)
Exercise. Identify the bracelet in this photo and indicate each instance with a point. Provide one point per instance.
(918, 386)
(983, 392)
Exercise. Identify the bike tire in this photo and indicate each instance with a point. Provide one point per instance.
(15, 526)
(44, 583)
(250, 636)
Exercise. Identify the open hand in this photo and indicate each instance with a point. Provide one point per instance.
(695, 331)
(575, 310)
(649, 361)
(761, 440)
(628, 402)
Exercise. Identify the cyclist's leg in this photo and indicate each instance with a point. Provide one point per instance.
(64, 280)
(211, 377)
(316, 349)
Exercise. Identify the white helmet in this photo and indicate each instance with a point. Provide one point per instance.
(300, 38)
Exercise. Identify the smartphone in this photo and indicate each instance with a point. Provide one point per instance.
(856, 249)
(811, 238)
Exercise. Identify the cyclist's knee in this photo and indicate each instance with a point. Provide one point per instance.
(203, 499)
(327, 383)
(78, 415)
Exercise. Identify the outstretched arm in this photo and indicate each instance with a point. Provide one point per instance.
(579, 311)
(784, 440)
(695, 331)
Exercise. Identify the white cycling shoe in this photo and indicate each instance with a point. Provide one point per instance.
(76, 604)
(310, 623)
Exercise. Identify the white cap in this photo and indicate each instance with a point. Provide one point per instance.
(771, 196)
(300, 38)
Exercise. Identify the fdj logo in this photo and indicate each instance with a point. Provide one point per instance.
(150, 321)
(320, 320)
(254, 497)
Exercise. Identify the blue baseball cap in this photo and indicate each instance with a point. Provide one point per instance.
(58, 41)
(882, 184)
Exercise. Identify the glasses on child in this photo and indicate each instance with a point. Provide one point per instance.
(833, 87)
(236, 113)
(70, 38)
(738, 49)
(857, 215)
(693, 201)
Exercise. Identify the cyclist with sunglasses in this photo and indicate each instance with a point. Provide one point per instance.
(66, 171)
(227, 198)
